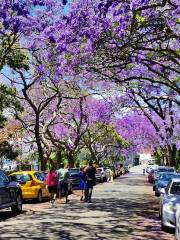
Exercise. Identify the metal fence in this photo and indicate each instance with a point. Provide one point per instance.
(177, 233)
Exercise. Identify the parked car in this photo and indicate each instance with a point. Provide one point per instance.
(177, 228)
(74, 177)
(163, 181)
(10, 194)
(150, 167)
(126, 169)
(33, 184)
(151, 175)
(101, 174)
(161, 169)
(170, 197)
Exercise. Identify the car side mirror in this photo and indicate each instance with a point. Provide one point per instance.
(162, 191)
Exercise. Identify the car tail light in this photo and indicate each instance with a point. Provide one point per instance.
(33, 183)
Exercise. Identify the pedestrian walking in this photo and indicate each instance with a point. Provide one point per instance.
(111, 175)
(52, 185)
(63, 175)
(82, 183)
(108, 174)
(90, 172)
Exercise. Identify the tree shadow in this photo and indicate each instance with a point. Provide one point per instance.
(8, 214)
(112, 215)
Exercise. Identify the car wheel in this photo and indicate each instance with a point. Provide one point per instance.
(156, 194)
(39, 197)
(160, 213)
(163, 227)
(18, 207)
(177, 225)
(177, 231)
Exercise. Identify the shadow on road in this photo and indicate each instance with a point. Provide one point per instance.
(8, 214)
(112, 216)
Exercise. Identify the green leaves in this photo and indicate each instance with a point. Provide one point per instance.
(11, 53)
(18, 60)
(7, 151)
(116, 137)
(140, 18)
(8, 101)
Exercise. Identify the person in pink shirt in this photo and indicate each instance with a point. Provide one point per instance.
(52, 185)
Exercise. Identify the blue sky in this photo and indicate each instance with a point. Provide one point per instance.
(66, 7)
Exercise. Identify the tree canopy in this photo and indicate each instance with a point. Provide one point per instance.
(103, 76)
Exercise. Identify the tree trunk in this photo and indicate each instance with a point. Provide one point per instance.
(178, 158)
(71, 160)
(93, 155)
(58, 157)
(172, 155)
(42, 161)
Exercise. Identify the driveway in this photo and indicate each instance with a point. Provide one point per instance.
(124, 209)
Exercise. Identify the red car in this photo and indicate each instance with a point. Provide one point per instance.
(151, 176)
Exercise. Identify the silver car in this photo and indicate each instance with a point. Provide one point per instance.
(177, 232)
(161, 169)
(169, 199)
(163, 181)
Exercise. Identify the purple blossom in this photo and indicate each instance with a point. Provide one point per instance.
(52, 39)
(6, 24)
(3, 15)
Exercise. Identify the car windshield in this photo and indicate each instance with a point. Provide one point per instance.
(21, 177)
(161, 170)
(175, 188)
(73, 171)
(40, 176)
(166, 177)
(165, 170)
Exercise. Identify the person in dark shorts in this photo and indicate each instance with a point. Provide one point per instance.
(63, 175)
(52, 185)
(90, 172)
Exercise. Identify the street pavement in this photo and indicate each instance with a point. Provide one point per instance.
(123, 210)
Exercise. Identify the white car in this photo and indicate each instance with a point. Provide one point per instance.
(102, 174)
(169, 199)
(150, 167)
(177, 232)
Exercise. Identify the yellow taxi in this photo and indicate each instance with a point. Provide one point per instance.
(33, 184)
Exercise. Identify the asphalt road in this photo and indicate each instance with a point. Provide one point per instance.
(124, 209)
